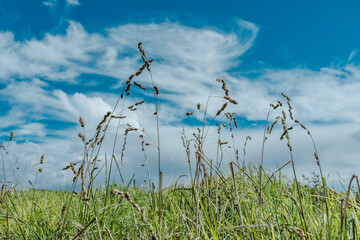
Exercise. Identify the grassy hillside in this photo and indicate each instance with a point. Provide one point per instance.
(221, 209)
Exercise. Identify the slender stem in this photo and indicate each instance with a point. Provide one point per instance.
(6, 199)
(262, 162)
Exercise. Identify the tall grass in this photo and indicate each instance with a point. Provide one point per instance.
(238, 201)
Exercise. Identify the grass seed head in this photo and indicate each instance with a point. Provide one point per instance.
(156, 90)
(285, 96)
(82, 124)
(140, 86)
(221, 109)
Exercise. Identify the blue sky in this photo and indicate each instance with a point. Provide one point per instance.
(63, 59)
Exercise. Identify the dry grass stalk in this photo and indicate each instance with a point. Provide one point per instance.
(95, 139)
(135, 206)
(237, 197)
(127, 130)
(343, 212)
(108, 232)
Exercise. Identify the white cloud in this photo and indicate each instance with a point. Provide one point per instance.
(352, 55)
(50, 3)
(73, 2)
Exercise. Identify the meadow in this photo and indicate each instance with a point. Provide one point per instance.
(236, 200)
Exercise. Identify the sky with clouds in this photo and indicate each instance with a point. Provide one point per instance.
(62, 59)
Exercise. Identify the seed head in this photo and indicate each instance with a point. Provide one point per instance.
(156, 90)
(82, 124)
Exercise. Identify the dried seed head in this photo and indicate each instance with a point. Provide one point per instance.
(141, 69)
(127, 89)
(282, 135)
(11, 135)
(140, 86)
(40, 169)
(221, 109)
(289, 105)
(82, 124)
(42, 159)
(287, 98)
(120, 117)
(198, 106)
(235, 122)
(222, 143)
(233, 101)
(65, 168)
(82, 137)
(189, 113)
(156, 90)
(272, 126)
(139, 103)
(130, 78)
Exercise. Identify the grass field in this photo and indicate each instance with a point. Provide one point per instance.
(235, 201)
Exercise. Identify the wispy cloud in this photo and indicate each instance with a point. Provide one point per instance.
(352, 55)
(73, 2)
(50, 3)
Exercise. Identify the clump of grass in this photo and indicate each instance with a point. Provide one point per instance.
(241, 201)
